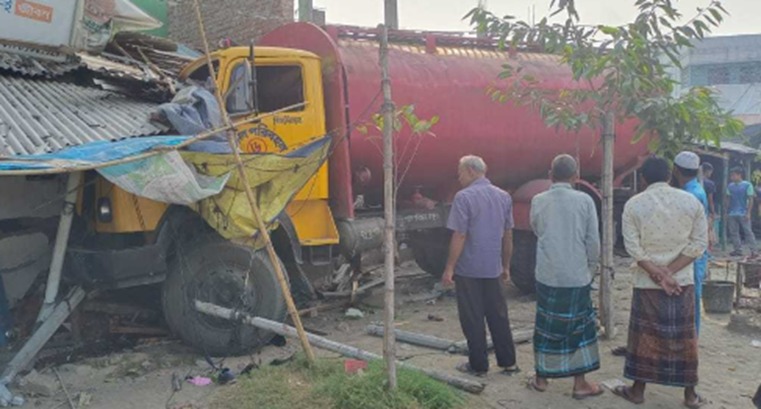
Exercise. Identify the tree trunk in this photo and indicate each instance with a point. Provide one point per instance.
(389, 338)
(608, 230)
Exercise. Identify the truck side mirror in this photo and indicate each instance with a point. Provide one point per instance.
(239, 98)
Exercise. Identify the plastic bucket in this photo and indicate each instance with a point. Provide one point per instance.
(718, 296)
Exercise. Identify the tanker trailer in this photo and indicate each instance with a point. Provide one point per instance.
(447, 76)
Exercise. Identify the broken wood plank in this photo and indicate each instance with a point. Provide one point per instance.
(519, 337)
(414, 338)
(324, 343)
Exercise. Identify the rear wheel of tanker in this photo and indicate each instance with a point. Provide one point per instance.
(430, 248)
(523, 264)
(228, 275)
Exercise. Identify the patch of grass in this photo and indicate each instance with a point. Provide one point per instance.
(325, 385)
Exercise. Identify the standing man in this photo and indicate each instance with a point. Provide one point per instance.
(567, 252)
(481, 221)
(740, 194)
(686, 166)
(665, 230)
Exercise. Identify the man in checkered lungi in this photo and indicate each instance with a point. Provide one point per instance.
(567, 253)
(665, 230)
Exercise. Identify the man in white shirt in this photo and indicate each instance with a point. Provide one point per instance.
(665, 230)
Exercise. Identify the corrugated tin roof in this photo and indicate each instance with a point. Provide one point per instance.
(39, 116)
(35, 66)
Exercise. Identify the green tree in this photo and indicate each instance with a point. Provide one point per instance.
(624, 70)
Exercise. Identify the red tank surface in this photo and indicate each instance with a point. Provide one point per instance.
(447, 76)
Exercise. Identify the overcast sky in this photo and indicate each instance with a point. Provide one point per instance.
(447, 15)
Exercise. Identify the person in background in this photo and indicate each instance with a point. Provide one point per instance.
(664, 230)
(567, 253)
(740, 194)
(481, 220)
(686, 166)
(710, 188)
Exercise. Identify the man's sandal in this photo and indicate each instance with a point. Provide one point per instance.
(624, 392)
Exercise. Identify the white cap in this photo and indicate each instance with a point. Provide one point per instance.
(687, 160)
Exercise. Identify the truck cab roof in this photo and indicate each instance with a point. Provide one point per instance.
(264, 53)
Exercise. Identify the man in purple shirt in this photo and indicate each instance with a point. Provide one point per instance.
(481, 220)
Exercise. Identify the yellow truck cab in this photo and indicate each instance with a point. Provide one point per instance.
(131, 240)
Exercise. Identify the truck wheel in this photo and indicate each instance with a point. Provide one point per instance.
(430, 248)
(229, 275)
(523, 264)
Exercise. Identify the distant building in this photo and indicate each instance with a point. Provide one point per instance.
(240, 20)
(730, 65)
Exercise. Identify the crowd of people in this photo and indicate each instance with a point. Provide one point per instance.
(666, 231)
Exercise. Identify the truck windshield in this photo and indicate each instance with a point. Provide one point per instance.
(278, 86)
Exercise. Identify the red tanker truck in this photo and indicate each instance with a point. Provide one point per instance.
(447, 76)
(332, 76)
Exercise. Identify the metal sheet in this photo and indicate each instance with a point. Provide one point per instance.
(39, 116)
(19, 63)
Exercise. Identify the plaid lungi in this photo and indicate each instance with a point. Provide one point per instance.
(663, 343)
(565, 335)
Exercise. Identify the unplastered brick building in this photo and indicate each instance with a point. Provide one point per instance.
(239, 20)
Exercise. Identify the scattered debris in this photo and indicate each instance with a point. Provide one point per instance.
(354, 313)
(755, 343)
(282, 361)
(176, 382)
(84, 399)
(613, 383)
(225, 376)
(249, 368)
(200, 381)
(37, 384)
(65, 391)
(354, 366)
(467, 385)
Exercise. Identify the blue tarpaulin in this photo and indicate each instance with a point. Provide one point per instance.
(89, 155)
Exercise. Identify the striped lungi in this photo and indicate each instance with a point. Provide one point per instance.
(663, 343)
(565, 338)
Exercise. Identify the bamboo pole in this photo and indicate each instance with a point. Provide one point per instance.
(294, 313)
(389, 337)
(608, 232)
(324, 343)
(155, 151)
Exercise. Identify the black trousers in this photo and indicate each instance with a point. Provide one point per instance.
(479, 300)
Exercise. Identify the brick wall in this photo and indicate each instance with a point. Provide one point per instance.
(240, 20)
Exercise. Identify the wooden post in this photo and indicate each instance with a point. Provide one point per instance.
(391, 14)
(389, 337)
(324, 343)
(294, 313)
(608, 230)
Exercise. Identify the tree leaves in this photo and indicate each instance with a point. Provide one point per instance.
(623, 69)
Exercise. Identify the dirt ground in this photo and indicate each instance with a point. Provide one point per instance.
(730, 366)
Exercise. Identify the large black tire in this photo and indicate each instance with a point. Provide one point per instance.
(523, 264)
(215, 271)
(430, 248)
